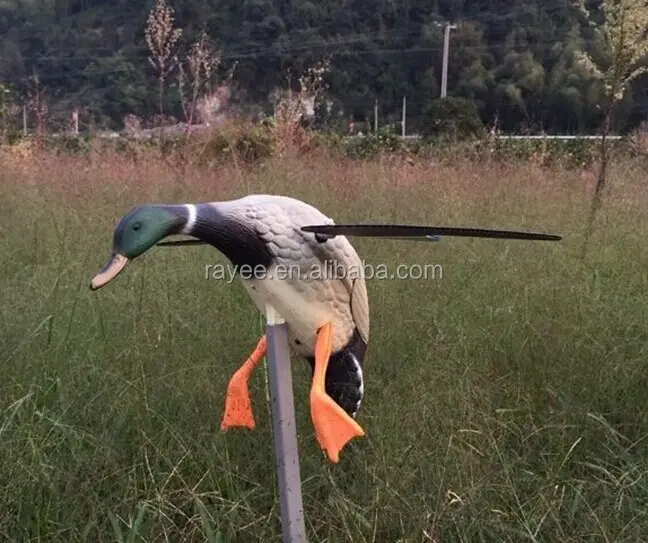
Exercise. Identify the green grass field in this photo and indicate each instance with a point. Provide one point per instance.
(504, 401)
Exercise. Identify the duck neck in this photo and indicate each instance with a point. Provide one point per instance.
(231, 234)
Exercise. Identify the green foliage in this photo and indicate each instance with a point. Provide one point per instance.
(514, 60)
(569, 153)
(623, 33)
(245, 146)
(255, 145)
(452, 117)
(369, 146)
(8, 109)
(69, 145)
(248, 145)
(12, 137)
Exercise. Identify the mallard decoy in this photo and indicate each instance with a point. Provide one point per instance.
(327, 314)
(327, 317)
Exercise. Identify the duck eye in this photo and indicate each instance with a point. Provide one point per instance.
(137, 226)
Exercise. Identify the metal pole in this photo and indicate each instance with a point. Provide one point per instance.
(446, 49)
(376, 116)
(285, 430)
(25, 121)
(403, 119)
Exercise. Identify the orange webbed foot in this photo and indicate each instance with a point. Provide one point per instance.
(238, 407)
(334, 428)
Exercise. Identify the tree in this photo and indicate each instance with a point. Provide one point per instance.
(452, 117)
(475, 78)
(624, 35)
(573, 94)
(520, 81)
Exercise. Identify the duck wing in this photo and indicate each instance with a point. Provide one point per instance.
(279, 221)
(422, 233)
(343, 261)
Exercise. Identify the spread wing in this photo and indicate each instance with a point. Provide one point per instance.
(422, 233)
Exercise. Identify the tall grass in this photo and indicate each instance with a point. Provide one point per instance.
(504, 401)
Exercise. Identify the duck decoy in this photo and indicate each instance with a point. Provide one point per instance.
(327, 316)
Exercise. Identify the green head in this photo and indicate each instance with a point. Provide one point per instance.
(137, 232)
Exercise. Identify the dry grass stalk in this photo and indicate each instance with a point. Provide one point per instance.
(161, 38)
(201, 62)
(37, 104)
(293, 107)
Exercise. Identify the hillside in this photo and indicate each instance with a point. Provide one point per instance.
(513, 59)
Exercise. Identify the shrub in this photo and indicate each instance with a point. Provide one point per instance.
(366, 147)
(452, 117)
(249, 144)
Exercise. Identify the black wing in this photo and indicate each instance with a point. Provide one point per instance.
(402, 231)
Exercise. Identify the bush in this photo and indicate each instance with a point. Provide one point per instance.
(366, 147)
(249, 144)
(255, 145)
(454, 118)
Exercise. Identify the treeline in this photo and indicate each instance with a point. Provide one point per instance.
(514, 59)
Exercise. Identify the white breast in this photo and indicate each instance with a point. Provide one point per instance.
(305, 306)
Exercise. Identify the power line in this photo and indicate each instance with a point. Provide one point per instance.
(264, 53)
(560, 6)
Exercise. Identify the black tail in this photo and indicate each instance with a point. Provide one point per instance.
(344, 381)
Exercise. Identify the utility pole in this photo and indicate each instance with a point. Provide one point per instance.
(404, 117)
(376, 116)
(446, 48)
(75, 121)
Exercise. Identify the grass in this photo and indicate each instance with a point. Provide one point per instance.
(504, 401)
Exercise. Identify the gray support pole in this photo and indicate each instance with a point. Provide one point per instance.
(285, 430)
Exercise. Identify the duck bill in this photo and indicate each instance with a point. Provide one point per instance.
(111, 270)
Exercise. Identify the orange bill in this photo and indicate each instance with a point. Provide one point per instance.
(111, 270)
